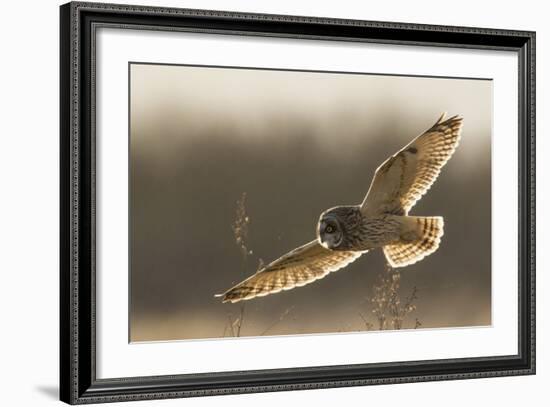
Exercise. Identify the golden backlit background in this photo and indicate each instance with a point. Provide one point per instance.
(296, 143)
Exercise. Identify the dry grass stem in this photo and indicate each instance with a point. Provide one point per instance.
(240, 228)
(388, 310)
(281, 318)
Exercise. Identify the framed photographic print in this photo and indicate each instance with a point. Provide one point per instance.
(257, 203)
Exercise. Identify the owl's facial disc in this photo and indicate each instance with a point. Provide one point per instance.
(329, 232)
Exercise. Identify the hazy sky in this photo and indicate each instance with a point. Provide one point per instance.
(296, 143)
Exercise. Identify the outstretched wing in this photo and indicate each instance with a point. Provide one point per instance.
(404, 177)
(299, 267)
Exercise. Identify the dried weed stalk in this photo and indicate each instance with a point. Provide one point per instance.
(240, 231)
(389, 311)
(240, 228)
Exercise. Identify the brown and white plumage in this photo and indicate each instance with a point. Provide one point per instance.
(404, 252)
(407, 175)
(344, 233)
(299, 267)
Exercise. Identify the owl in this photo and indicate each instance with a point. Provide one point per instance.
(382, 220)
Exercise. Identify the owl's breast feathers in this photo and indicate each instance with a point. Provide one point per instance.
(362, 232)
(365, 233)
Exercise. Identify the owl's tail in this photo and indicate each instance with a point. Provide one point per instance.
(420, 237)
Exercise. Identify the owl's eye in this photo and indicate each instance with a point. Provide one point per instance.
(329, 229)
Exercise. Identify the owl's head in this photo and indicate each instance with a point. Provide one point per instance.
(330, 232)
(337, 228)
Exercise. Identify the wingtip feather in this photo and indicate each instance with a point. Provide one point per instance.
(223, 296)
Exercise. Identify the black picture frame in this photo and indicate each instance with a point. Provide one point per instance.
(78, 382)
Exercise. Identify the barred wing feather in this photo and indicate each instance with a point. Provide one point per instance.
(299, 267)
(407, 175)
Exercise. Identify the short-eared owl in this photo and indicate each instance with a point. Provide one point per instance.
(344, 233)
